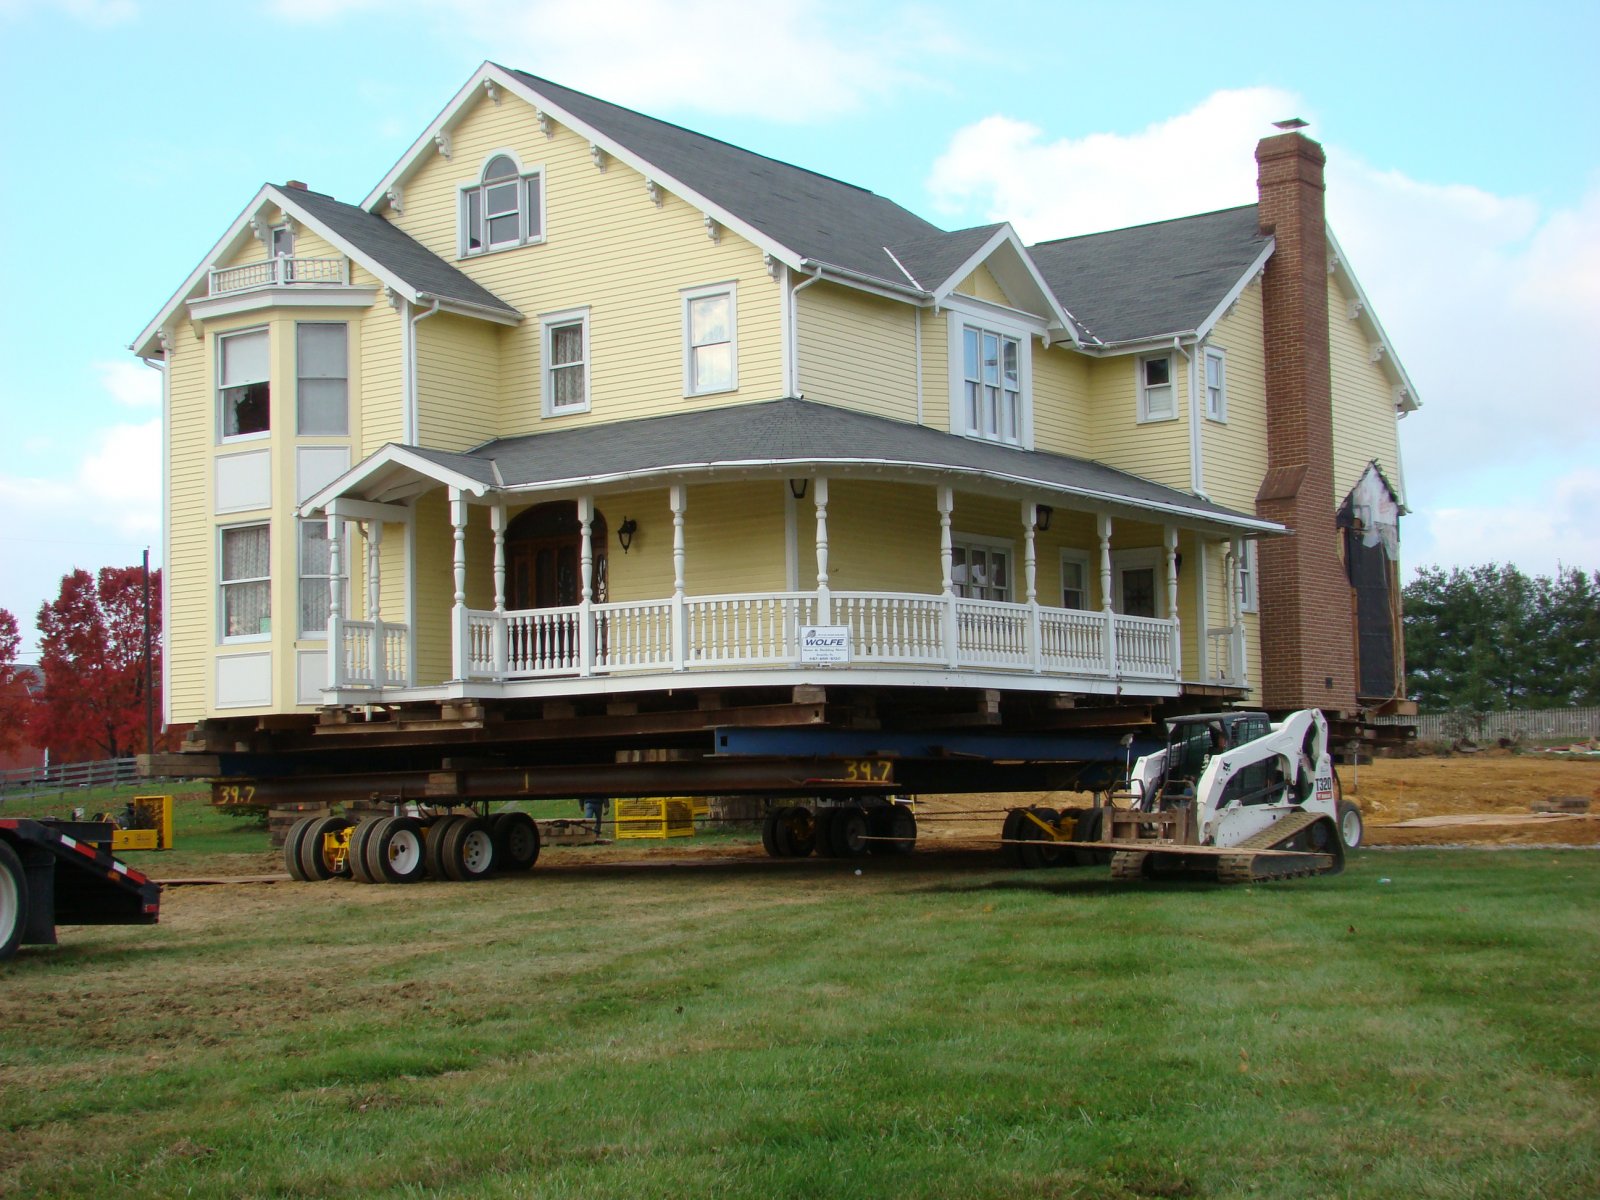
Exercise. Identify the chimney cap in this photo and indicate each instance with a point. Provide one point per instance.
(1290, 124)
(297, 185)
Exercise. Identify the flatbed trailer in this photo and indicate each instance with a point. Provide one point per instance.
(60, 873)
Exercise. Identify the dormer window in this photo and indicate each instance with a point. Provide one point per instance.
(504, 209)
(992, 383)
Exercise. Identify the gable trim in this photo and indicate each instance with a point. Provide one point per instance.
(1006, 235)
(1339, 262)
(1221, 310)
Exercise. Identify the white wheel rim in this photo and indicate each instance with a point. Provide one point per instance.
(477, 852)
(10, 904)
(1352, 828)
(405, 851)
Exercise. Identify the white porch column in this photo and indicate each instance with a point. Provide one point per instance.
(335, 602)
(952, 646)
(680, 611)
(1236, 666)
(502, 643)
(1169, 538)
(378, 660)
(1030, 572)
(586, 591)
(461, 640)
(1103, 527)
(824, 599)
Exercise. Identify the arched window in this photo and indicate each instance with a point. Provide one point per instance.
(504, 208)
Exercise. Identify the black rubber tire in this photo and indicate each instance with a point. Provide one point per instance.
(357, 858)
(797, 831)
(1042, 854)
(395, 851)
(824, 819)
(769, 832)
(433, 850)
(467, 850)
(848, 833)
(894, 821)
(13, 901)
(1010, 832)
(314, 863)
(1350, 814)
(516, 841)
(291, 847)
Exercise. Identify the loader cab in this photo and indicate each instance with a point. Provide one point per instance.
(1192, 742)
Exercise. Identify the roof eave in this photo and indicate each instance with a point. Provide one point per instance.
(1408, 401)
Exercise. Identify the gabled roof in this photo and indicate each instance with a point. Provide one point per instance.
(788, 436)
(390, 254)
(1149, 281)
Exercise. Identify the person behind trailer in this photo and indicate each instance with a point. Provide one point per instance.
(594, 809)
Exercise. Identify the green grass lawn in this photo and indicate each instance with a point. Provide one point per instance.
(1425, 1025)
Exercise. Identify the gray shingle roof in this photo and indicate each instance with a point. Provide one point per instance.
(397, 251)
(932, 259)
(815, 216)
(1149, 280)
(802, 432)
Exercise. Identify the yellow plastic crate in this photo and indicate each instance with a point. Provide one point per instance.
(655, 817)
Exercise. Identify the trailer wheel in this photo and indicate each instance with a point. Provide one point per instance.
(1351, 826)
(769, 832)
(13, 901)
(291, 847)
(824, 820)
(849, 833)
(433, 846)
(467, 850)
(898, 822)
(315, 862)
(1090, 828)
(1042, 853)
(516, 841)
(394, 850)
(357, 858)
(1010, 832)
(800, 827)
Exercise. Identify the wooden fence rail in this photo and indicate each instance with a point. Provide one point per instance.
(32, 781)
(1529, 722)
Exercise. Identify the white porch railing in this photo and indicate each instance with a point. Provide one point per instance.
(278, 272)
(374, 654)
(1225, 658)
(763, 630)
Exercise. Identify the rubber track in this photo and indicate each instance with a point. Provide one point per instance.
(1245, 867)
(1128, 864)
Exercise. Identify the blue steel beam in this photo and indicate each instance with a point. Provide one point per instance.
(851, 743)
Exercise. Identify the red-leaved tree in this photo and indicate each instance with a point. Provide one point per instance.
(14, 702)
(92, 656)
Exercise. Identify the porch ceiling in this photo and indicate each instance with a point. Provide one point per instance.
(788, 436)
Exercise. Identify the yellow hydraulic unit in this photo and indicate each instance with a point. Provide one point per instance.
(655, 817)
(146, 824)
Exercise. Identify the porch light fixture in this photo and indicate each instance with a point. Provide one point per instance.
(1043, 513)
(625, 532)
(797, 488)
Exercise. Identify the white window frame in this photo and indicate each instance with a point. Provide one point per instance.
(317, 635)
(285, 232)
(526, 213)
(1003, 323)
(1140, 379)
(1216, 404)
(223, 636)
(221, 401)
(1079, 558)
(969, 542)
(1249, 567)
(1137, 560)
(707, 292)
(299, 378)
(548, 323)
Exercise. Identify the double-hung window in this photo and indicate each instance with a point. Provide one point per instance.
(245, 580)
(1074, 580)
(316, 579)
(991, 363)
(1216, 384)
(244, 390)
(322, 370)
(1157, 400)
(710, 348)
(566, 362)
(981, 569)
(504, 208)
(1249, 579)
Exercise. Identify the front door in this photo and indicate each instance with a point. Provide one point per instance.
(544, 553)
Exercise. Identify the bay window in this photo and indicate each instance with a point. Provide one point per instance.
(245, 582)
(244, 390)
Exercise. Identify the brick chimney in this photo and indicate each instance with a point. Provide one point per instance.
(1307, 650)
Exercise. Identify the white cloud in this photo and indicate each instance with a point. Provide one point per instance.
(97, 14)
(785, 60)
(1554, 527)
(1492, 302)
(130, 384)
(318, 12)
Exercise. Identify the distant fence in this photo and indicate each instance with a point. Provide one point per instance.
(32, 781)
(1529, 722)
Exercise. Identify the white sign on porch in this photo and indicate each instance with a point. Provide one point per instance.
(825, 643)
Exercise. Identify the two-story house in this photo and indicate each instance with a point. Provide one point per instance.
(578, 408)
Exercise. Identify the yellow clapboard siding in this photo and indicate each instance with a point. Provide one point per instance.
(1157, 450)
(1061, 401)
(935, 369)
(981, 285)
(1365, 426)
(458, 381)
(859, 351)
(1235, 452)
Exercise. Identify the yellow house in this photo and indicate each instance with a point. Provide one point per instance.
(578, 405)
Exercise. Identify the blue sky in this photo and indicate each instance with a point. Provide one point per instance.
(1464, 182)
